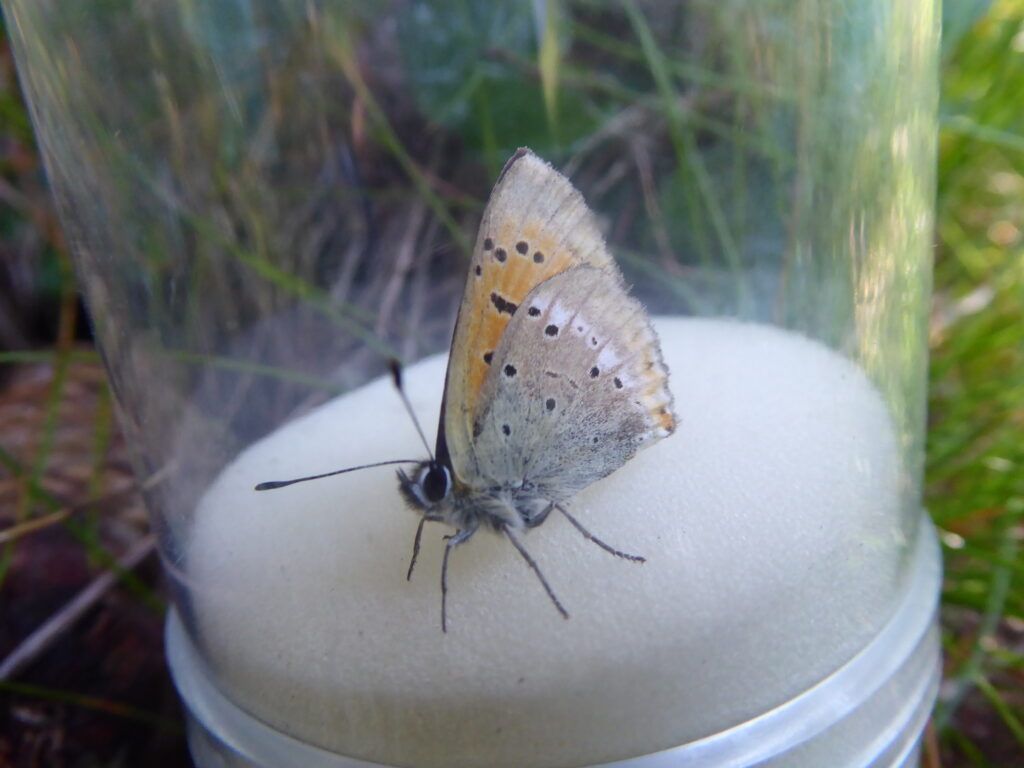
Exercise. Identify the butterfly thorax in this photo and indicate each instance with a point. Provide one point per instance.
(432, 491)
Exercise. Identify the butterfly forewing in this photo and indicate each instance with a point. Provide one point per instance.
(536, 225)
(576, 387)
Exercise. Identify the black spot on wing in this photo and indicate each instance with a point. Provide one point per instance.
(551, 330)
(503, 305)
(533, 311)
(522, 246)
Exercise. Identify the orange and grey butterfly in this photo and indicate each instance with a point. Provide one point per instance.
(536, 225)
(555, 377)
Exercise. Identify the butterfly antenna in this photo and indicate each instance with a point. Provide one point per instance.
(396, 376)
(270, 485)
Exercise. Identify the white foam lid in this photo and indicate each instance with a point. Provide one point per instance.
(770, 521)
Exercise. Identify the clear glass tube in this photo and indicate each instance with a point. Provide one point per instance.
(268, 199)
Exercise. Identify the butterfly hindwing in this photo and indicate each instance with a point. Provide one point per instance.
(536, 225)
(576, 387)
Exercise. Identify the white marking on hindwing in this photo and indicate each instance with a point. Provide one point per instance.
(608, 358)
(558, 314)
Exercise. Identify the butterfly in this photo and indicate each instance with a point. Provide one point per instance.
(555, 377)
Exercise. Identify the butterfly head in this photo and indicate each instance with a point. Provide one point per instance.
(428, 488)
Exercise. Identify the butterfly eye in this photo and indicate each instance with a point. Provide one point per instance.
(435, 482)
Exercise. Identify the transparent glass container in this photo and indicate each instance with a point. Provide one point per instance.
(269, 199)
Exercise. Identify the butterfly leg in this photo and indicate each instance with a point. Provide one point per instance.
(591, 537)
(536, 569)
(415, 548)
(451, 542)
(533, 522)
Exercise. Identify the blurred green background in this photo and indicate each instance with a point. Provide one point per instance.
(71, 704)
